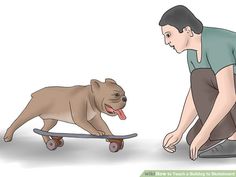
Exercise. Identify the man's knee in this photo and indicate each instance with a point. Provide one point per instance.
(190, 136)
(193, 131)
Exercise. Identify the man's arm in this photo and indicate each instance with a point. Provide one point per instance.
(188, 114)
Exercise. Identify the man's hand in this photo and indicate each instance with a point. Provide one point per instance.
(170, 140)
(198, 141)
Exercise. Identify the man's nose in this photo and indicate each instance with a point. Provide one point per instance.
(167, 41)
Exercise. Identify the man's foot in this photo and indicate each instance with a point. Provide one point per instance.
(223, 149)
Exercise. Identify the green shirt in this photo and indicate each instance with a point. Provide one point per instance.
(218, 50)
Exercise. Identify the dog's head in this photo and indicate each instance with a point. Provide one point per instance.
(109, 97)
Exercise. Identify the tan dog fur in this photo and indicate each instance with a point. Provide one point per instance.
(80, 105)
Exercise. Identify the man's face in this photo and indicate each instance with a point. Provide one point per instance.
(175, 39)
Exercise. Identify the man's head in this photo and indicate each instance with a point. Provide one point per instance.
(178, 24)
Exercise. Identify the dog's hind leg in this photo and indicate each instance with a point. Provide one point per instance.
(48, 125)
(32, 110)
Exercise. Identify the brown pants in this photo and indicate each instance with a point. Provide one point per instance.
(204, 91)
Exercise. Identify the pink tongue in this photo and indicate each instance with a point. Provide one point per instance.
(121, 114)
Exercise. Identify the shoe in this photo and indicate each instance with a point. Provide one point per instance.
(224, 149)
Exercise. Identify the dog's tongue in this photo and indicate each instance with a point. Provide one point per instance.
(121, 114)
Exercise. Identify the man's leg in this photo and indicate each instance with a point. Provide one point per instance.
(204, 91)
(194, 131)
(233, 114)
(227, 149)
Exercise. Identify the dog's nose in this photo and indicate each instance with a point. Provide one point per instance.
(124, 99)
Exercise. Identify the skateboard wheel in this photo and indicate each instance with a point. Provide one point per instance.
(51, 145)
(114, 147)
(60, 143)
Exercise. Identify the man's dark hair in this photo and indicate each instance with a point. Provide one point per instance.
(181, 17)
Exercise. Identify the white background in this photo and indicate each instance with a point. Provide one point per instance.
(66, 43)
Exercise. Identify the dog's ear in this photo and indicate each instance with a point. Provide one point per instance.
(95, 84)
(108, 80)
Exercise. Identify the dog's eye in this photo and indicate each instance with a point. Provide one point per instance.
(117, 94)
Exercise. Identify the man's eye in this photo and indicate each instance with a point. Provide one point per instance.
(168, 35)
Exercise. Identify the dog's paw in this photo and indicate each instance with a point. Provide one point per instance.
(98, 133)
(7, 138)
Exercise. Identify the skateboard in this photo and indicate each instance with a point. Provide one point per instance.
(116, 141)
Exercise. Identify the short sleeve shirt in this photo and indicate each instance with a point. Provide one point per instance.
(218, 50)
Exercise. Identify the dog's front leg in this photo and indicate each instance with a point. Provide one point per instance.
(79, 117)
(100, 124)
(89, 128)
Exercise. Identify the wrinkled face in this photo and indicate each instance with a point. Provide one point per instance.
(178, 41)
(109, 97)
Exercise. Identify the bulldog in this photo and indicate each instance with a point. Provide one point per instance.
(80, 105)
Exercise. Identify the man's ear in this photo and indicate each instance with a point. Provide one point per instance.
(188, 30)
(95, 84)
(108, 80)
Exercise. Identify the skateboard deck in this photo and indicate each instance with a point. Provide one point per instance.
(116, 141)
(76, 135)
